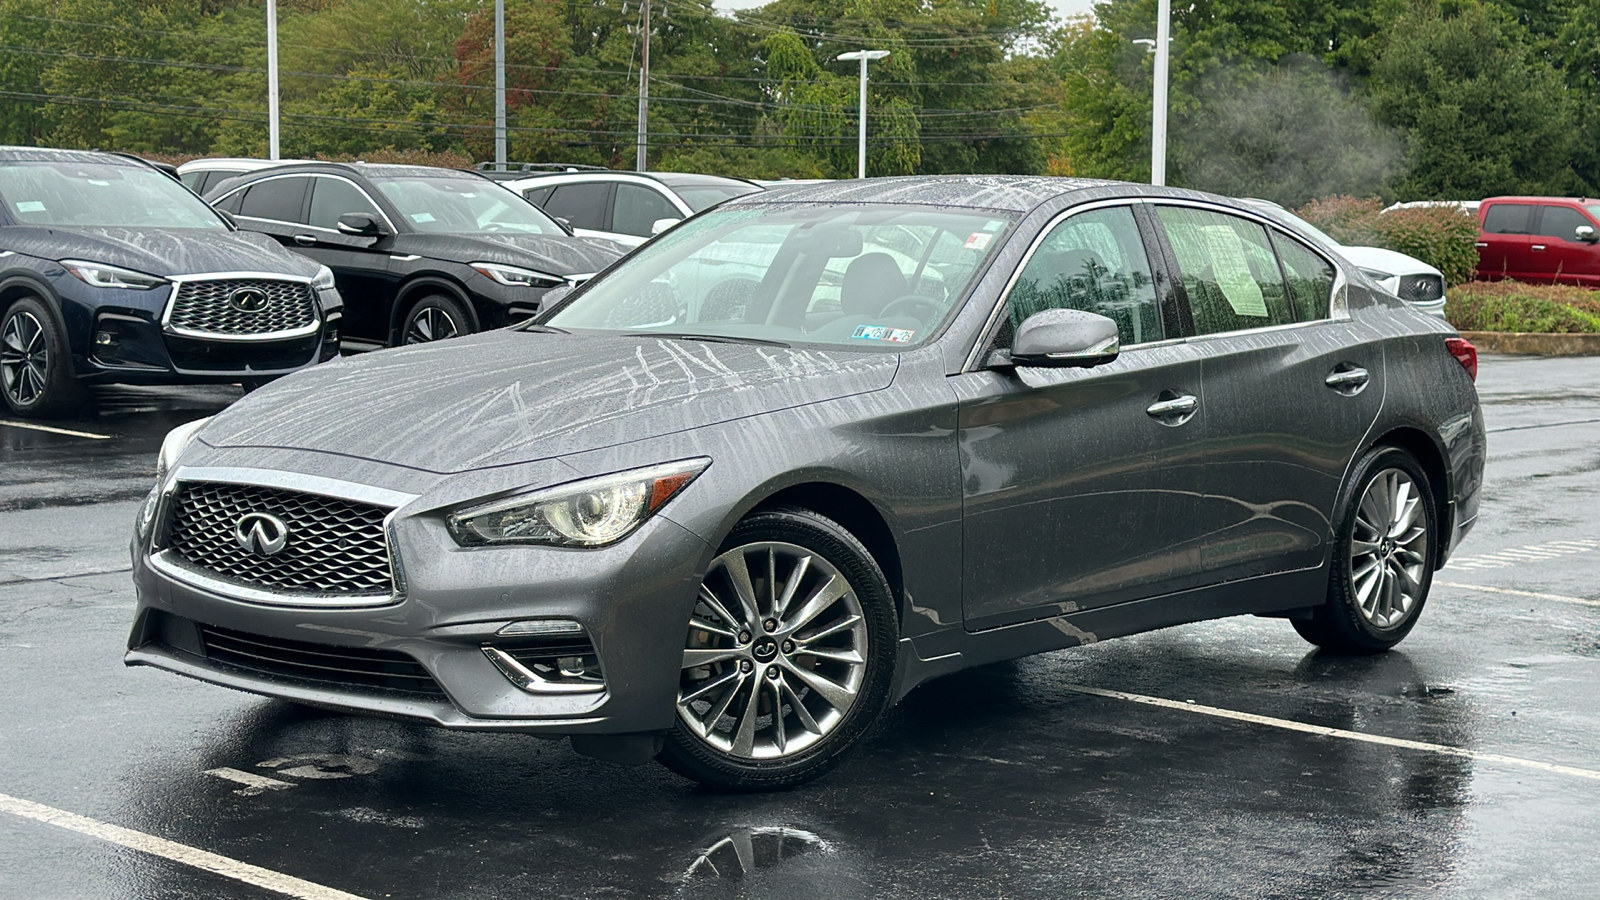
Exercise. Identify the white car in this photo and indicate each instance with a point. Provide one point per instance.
(1406, 277)
(627, 207)
(201, 175)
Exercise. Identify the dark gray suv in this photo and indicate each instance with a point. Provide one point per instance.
(727, 502)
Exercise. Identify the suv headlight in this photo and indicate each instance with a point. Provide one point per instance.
(323, 281)
(593, 512)
(177, 440)
(515, 277)
(102, 275)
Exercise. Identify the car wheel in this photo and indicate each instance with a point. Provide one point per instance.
(788, 658)
(1382, 557)
(434, 318)
(36, 376)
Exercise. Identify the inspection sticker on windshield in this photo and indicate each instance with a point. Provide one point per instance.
(883, 333)
(422, 218)
(978, 240)
(29, 206)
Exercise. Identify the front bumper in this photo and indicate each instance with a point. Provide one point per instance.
(633, 600)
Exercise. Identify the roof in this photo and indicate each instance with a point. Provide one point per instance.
(1525, 199)
(670, 179)
(48, 154)
(1018, 193)
(374, 170)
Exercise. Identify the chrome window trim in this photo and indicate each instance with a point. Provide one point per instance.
(163, 560)
(363, 191)
(179, 280)
(264, 179)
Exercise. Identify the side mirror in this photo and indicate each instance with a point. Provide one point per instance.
(564, 222)
(1586, 234)
(233, 223)
(661, 225)
(1065, 338)
(361, 225)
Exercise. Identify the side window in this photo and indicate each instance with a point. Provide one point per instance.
(332, 198)
(1562, 222)
(230, 203)
(1228, 270)
(1310, 278)
(1507, 218)
(1094, 261)
(538, 196)
(583, 205)
(638, 207)
(193, 180)
(279, 199)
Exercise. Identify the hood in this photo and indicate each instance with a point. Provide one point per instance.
(163, 252)
(508, 396)
(1387, 261)
(556, 254)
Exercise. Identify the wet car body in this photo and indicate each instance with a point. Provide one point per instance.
(383, 274)
(1012, 509)
(177, 327)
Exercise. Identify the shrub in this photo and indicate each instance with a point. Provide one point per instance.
(1441, 236)
(1513, 306)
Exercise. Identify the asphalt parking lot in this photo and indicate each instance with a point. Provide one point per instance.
(1221, 759)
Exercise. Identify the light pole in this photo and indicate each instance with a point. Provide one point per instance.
(272, 79)
(500, 84)
(1158, 112)
(861, 146)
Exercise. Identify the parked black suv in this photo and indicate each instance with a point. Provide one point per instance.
(113, 272)
(420, 253)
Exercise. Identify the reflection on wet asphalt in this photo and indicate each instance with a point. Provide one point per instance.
(995, 782)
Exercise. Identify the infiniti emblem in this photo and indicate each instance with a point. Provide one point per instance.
(248, 299)
(261, 533)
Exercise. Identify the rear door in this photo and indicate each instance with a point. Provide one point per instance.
(1556, 249)
(585, 205)
(274, 206)
(1505, 243)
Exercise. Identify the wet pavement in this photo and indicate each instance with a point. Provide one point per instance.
(1047, 777)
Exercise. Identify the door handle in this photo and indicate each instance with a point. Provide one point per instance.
(305, 240)
(1538, 246)
(1347, 379)
(1177, 406)
(1481, 244)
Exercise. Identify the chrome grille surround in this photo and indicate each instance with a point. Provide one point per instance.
(199, 307)
(1421, 288)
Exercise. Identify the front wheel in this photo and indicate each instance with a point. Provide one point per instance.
(788, 658)
(36, 376)
(1382, 557)
(435, 318)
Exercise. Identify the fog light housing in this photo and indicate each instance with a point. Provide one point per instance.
(547, 656)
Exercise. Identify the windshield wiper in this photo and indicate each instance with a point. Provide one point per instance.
(543, 329)
(710, 338)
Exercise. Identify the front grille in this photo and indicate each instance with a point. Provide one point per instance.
(205, 307)
(1421, 288)
(333, 547)
(317, 665)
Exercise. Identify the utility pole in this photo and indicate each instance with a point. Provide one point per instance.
(861, 137)
(1158, 112)
(644, 93)
(500, 84)
(272, 79)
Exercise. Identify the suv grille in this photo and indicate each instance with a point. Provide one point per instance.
(318, 664)
(333, 546)
(1421, 288)
(206, 307)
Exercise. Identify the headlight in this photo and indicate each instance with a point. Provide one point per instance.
(323, 280)
(1375, 274)
(515, 277)
(102, 275)
(593, 512)
(178, 440)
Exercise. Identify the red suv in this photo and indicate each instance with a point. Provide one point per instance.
(1543, 239)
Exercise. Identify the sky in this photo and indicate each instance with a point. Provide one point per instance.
(1063, 8)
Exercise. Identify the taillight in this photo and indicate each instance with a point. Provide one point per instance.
(1465, 353)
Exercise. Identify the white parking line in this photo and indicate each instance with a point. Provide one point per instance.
(65, 431)
(253, 783)
(1499, 590)
(277, 882)
(1322, 731)
(1515, 556)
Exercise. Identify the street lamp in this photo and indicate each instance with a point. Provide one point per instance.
(1158, 111)
(861, 146)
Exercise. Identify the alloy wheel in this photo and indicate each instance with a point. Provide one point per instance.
(776, 652)
(1389, 549)
(24, 358)
(430, 323)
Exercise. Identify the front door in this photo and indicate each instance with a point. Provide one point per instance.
(1558, 252)
(366, 276)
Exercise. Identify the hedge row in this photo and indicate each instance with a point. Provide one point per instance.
(1442, 236)
(1513, 306)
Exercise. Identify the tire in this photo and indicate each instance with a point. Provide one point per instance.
(832, 679)
(434, 318)
(1383, 552)
(36, 377)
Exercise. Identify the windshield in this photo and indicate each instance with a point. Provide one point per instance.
(464, 206)
(100, 194)
(875, 277)
(701, 197)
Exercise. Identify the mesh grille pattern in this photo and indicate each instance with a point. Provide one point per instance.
(203, 307)
(334, 546)
(318, 664)
(1421, 288)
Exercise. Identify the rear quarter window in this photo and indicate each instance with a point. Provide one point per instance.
(1507, 218)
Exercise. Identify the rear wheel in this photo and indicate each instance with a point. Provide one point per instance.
(435, 318)
(36, 376)
(788, 658)
(1382, 557)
